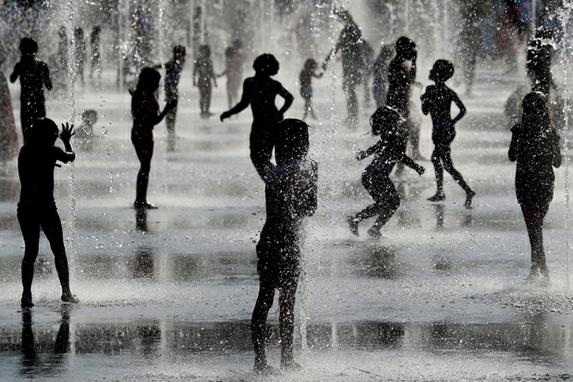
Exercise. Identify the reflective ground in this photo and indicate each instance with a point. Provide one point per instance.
(167, 295)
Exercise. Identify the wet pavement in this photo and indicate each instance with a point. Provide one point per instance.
(167, 295)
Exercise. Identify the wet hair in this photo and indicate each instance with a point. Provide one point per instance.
(205, 51)
(44, 132)
(310, 64)
(89, 117)
(266, 64)
(148, 80)
(385, 120)
(405, 47)
(28, 45)
(442, 71)
(536, 113)
(292, 141)
(179, 51)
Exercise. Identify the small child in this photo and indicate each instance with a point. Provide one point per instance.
(85, 132)
(305, 79)
(233, 71)
(34, 75)
(388, 151)
(260, 92)
(37, 207)
(437, 101)
(173, 70)
(204, 78)
(291, 195)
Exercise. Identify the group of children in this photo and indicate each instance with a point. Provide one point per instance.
(290, 182)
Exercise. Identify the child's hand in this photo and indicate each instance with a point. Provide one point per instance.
(420, 170)
(223, 116)
(360, 155)
(67, 132)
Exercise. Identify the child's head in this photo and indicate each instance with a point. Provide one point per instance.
(406, 48)
(386, 120)
(237, 44)
(89, 117)
(205, 51)
(28, 47)
(343, 15)
(266, 64)
(179, 53)
(148, 80)
(536, 114)
(442, 71)
(292, 140)
(310, 64)
(44, 132)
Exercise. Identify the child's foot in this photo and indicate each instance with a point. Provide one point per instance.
(265, 369)
(26, 301)
(374, 232)
(353, 224)
(69, 298)
(291, 365)
(469, 196)
(144, 206)
(438, 197)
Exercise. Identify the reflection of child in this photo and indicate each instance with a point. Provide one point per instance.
(305, 79)
(85, 132)
(34, 75)
(204, 78)
(437, 101)
(290, 196)
(388, 151)
(37, 207)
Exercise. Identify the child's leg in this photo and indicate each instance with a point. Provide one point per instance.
(372, 184)
(170, 121)
(449, 167)
(438, 168)
(261, 146)
(52, 227)
(306, 108)
(388, 204)
(30, 227)
(144, 151)
(311, 108)
(286, 303)
(533, 217)
(259, 322)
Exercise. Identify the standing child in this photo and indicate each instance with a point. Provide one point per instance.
(34, 75)
(260, 92)
(388, 151)
(204, 78)
(290, 196)
(437, 101)
(37, 207)
(535, 147)
(85, 132)
(305, 79)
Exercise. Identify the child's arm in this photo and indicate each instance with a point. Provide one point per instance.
(223, 73)
(513, 146)
(242, 105)
(460, 106)
(556, 150)
(46, 77)
(170, 105)
(317, 75)
(288, 97)
(425, 103)
(413, 165)
(15, 73)
(369, 151)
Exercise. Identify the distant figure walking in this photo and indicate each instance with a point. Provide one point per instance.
(388, 151)
(233, 71)
(204, 78)
(437, 101)
(535, 148)
(290, 195)
(173, 69)
(34, 75)
(37, 207)
(305, 79)
(95, 49)
(80, 55)
(145, 113)
(260, 92)
(8, 135)
(379, 74)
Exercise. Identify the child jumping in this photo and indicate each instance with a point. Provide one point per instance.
(34, 75)
(260, 92)
(437, 101)
(291, 195)
(305, 79)
(204, 78)
(37, 207)
(388, 151)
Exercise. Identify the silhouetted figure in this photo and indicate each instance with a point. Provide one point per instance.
(233, 71)
(437, 101)
(95, 53)
(145, 113)
(388, 151)
(401, 77)
(291, 195)
(538, 64)
(535, 147)
(305, 79)
(85, 132)
(379, 74)
(260, 92)
(37, 207)
(8, 135)
(34, 75)
(173, 69)
(350, 45)
(204, 78)
(80, 55)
